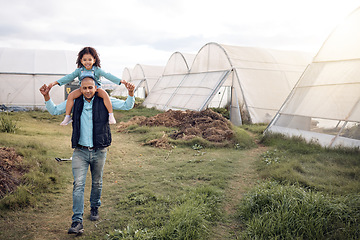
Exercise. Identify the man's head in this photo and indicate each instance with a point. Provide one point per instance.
(88, 88)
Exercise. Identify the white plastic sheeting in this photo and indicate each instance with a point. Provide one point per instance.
(144, 78)
(121, 90)
(253, 82)
(179, 63)
(24, 71)
(176, 69)
(325, 104)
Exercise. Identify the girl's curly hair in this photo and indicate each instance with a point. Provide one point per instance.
(92, 52)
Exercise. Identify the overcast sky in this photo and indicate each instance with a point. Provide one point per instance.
(149, 31)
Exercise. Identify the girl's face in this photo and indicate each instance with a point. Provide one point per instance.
(88, 61)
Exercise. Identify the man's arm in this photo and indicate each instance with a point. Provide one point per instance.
(118, 104)
(49, 104)
(55, 109)
(128, 103)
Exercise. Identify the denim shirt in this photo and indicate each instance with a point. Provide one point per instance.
(86, 123)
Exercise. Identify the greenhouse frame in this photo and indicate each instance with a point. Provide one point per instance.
(324, 106)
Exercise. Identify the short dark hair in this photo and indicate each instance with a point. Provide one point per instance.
(92, 52)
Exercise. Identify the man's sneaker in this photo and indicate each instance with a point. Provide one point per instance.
(76, 228)
(94, 214)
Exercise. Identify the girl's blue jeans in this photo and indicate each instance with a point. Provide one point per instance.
(81, 160)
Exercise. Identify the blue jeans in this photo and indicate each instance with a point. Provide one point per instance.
(81, 160)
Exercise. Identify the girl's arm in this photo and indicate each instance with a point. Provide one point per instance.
(110, 77)
(69, 78)
(52, 84)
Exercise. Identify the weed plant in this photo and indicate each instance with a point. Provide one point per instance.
(223, 111)
(333, 171)
(254, 128)
(7, 124)
(277, 211)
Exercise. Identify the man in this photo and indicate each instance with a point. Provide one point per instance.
(90, 137)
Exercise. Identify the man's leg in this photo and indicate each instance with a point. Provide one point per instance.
(80, 165)
(97, 163)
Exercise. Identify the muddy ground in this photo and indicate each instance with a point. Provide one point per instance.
(206, 124)
(10, 170)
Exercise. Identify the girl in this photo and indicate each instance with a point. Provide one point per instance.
(88, 63)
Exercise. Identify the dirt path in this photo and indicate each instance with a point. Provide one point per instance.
(50, 219)
(241, 182)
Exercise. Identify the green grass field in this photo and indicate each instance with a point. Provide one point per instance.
(190, 191)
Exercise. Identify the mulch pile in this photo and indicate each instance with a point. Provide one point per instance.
(206, 124)
(11, 170)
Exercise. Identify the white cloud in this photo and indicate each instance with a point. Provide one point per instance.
(149, 31)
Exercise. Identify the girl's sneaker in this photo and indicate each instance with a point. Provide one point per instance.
(112, 118)
(66, 121)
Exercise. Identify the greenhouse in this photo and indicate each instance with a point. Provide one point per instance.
(252, 82)
(176, 69)
(121, 90)
(144, 78)
(24, 71)
(324, 106)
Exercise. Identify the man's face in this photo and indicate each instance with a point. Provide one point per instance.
(88, 88)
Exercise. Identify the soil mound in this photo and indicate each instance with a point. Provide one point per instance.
(10, 170)
(206, 124)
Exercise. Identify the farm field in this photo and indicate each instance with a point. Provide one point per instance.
(171, 188)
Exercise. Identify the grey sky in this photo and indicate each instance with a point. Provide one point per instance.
(127, 32)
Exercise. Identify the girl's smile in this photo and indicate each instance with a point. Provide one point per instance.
(88, 61)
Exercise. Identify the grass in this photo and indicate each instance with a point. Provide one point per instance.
(333, 171)
(193, 190)
(147, 191)
(40, 177)
(310, 193)
(276, 211)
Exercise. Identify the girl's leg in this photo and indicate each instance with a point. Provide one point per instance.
(69, 105)
(103, 94)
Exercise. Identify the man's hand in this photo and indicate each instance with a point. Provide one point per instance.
(130, 87)
(44, 90)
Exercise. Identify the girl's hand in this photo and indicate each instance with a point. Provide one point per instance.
(52, 84)
(123, 82)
